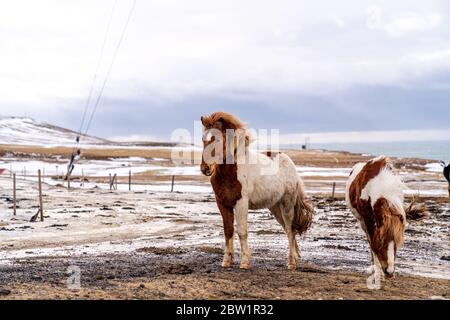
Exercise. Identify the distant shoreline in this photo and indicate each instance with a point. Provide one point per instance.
(426, 150)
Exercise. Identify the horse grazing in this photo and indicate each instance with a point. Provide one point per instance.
(375, 196)
(243, 179)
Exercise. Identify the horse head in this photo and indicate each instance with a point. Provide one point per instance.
(388, 235)
(222, 136)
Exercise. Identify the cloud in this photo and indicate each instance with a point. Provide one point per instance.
(253, 54)
(412, 22)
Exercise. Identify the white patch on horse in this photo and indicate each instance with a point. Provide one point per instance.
(391, 257)
(207, 136)
(385, 185)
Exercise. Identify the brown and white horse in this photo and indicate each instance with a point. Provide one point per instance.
(254, 181)
(375, 194)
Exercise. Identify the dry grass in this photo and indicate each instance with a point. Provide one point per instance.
(315, 158)
(91, 154)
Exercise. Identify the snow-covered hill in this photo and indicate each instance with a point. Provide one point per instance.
(27, 131)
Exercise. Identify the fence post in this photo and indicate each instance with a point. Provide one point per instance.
(334, 190)
(115, 179)
(14, 194)
(129, 180)
(173, 182)
(110, 182)
(40, 195)
(82, 177)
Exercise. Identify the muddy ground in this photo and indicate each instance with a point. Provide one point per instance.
(177, 274)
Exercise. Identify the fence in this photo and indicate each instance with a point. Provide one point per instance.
(113, 185)
(40, 212)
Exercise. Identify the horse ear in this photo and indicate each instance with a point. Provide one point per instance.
(202, 119)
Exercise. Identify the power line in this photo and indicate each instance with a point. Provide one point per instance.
(76, 154)
(94, 78)
(99, 97)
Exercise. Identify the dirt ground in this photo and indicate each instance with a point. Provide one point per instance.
(178, 275)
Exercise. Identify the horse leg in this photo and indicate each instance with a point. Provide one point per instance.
(242, 229)
(276, 212)
(288, 217)
(228, 225)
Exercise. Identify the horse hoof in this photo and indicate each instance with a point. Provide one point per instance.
(245, 266)
(390, 276)
(226, 265)
(292, 267)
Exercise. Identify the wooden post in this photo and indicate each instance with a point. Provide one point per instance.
(68, 180)
(334, 190)
(82, 177)
(173, 182)
(129, 180)
(40, 196)
(14, 194)
(110, 182)
(115, 179)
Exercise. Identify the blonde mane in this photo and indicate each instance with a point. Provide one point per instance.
(230, 121)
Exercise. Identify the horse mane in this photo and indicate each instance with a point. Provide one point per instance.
(230, 121)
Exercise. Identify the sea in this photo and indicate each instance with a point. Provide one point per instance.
(430, 150)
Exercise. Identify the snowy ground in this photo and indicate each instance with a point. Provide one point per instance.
(427, 182)
(26, 131)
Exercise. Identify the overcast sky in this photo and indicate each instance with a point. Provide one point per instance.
(300, 66)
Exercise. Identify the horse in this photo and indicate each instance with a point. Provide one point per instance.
(244, 179)
(375, 195)
(446, 173)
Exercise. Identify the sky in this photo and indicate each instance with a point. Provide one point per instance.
(303, 67)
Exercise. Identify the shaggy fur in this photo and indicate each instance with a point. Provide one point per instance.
(375, 196)
(267, 180)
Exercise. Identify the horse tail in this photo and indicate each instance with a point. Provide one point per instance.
(416, 211)
(303, 211)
